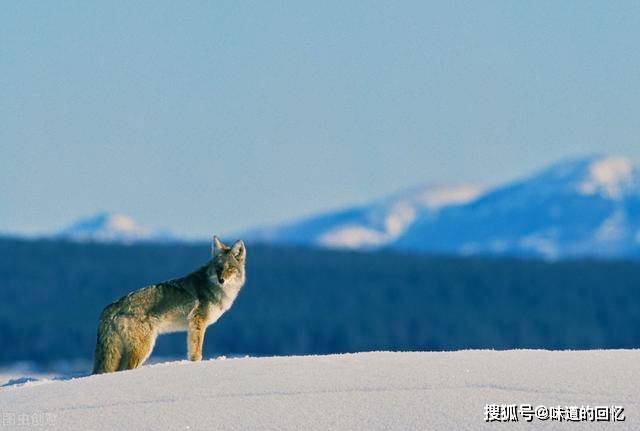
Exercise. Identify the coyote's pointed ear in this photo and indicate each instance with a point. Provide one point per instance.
(217, 246)
(239, 250)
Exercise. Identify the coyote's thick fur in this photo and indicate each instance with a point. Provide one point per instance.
(128, 327)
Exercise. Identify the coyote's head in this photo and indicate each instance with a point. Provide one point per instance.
(227, 263)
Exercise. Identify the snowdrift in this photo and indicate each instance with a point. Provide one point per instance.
(368, 391)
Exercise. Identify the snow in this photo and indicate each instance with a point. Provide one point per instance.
(384, 221)
(541, 243)
(438, 197)
(608, 176)
(372, 225)
(372, 391)
(613, 228)
(396, 217)
(388, 219)
(111, 227)
(352, 237)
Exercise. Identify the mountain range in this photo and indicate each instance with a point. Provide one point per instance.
(581, 207)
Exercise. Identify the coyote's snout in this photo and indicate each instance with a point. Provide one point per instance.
(128, 327)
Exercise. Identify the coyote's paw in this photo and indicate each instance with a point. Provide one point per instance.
(195, 357)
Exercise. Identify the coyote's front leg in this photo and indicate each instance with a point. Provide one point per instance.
(195, 337)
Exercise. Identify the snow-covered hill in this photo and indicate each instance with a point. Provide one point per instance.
(364, 391)
(588, 206)
(108, 227)
(583, 207)
(369, 226)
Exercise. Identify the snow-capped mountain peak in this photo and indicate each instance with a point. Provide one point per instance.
(588, 206)
(120, 223)
(111, 227)
(609, 176)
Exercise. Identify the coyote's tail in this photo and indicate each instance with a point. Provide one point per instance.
(108, 346)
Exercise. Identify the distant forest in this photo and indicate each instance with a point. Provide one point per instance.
(303, 301)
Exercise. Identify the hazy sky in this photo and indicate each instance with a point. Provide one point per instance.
(216, 116)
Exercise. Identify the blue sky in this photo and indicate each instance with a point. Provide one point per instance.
(211, 117)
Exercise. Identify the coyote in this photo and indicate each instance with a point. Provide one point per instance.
(128, 327)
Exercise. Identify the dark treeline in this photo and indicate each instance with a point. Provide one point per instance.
(300, 301)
